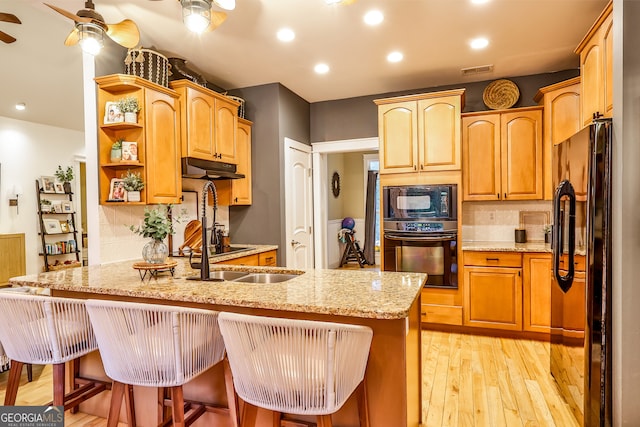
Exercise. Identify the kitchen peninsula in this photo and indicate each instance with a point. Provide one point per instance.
(388, 302)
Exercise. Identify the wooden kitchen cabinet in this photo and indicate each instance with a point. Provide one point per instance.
(209, 122)
(235, 192)
(502, 155)
(562, 119)
(156, 133)
(537, 271)
(596, 67)
(420, 132)
(268, 258)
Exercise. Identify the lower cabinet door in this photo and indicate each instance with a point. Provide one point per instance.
(493, 297)
(537, 293)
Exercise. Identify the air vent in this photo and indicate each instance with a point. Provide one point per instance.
(477, 70)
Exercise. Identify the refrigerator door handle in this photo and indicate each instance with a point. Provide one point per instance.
(564, 189)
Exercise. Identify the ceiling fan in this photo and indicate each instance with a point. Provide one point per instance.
(87, 20)
(8, 17)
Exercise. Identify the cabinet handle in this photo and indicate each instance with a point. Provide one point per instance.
(421, 167)
(493, 259)
(505, 195)
(415, 167)
(498, 195)
(518, 273)
(268, 258)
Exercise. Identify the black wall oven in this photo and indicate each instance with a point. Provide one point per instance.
(421, 232)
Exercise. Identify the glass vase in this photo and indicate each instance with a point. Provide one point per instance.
(155, 252)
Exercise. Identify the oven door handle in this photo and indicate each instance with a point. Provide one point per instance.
(419, 239)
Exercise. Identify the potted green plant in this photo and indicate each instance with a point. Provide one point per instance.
(547, 233)
(156, 225)
(130, 107)
(133, 184)
(116, 150)
(65, 176)
(45, 205)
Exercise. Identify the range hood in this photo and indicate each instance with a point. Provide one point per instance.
(208, 169)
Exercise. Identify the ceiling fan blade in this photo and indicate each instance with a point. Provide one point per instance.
(217, 18)
(9, 17)
(6, 37)
(68, 14)
(73, 38)
(124, 33)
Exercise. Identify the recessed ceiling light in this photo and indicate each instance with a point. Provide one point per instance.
(286, 35)
(21, 106)
(321, 68)
(373, 17)
(479, 43)
(395, 56)
(479, 1)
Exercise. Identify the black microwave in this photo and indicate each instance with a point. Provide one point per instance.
(415, 202)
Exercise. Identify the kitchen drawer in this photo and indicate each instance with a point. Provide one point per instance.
(245, 260)
(448, 315)
(579, 262)
(267, 258)
(493, 259)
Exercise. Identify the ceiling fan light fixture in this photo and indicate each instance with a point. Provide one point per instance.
(196, 14)
(91, 37)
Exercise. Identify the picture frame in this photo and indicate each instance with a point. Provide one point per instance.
(70, 225)
(47, 184)
(51, 226)
(129, 151)
(59, 187)
(56, 206)
(112, 113)
(117, 193)
(67, 207)
(64, 226)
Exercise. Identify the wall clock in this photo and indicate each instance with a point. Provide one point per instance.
(335, 184)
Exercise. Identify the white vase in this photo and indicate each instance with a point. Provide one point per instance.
(131, 117)
(133, 196)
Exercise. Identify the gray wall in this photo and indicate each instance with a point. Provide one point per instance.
(276, 113)
(358, 117)
(626, 227)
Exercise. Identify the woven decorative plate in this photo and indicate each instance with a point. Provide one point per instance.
(500, 94)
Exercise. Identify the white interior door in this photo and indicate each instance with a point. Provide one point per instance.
(298, 205)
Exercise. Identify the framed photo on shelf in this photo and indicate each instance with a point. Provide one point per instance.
(59, 187)
(64, 226)
(70, 225)
(51, 226)
(112, 113)
(67, 207)
(47, 183)
(117, 193)
(56, 206)
(129, 151)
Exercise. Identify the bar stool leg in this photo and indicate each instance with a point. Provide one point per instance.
(58, 384)
(130, 406)
(324, 421)
(363, 403)
(117, 392)
(249, 415)
(13, 383)
(232, 397)
(177, 403)
(29, 372)
(277, 418)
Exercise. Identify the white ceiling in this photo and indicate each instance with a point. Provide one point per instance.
(527, 37)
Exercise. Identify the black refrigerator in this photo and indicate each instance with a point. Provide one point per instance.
(580, 345)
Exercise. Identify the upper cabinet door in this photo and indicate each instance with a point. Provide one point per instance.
(398, 133)
(439, 133)
(164, 182)
(591, 70)
(521, 146)
(607, 43)
(481, 157)
(198, 125)
(226, 122)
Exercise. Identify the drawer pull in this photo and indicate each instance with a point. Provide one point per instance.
(269, 258)
(493, 259)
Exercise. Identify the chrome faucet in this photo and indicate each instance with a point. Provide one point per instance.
(204, 260)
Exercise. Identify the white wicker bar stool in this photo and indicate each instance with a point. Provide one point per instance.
(45, 330)
(297, 367)
(158, 346)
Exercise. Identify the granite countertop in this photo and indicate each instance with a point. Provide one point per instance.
(506, 246)
(354, 293)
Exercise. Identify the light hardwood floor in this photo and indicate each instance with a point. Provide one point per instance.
(468, 380)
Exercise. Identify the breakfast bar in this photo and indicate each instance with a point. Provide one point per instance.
(387, 302)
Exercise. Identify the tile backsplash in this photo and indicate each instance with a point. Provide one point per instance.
(496, 221)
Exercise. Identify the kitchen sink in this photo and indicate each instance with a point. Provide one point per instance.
(265, 278)
(227, 274)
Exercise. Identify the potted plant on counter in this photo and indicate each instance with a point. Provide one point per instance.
(65, 176)
(156, 225)
(133, 184)
(130, 107)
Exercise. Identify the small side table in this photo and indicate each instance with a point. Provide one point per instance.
(154, 269)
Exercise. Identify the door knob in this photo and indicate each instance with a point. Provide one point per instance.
(294, 243)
